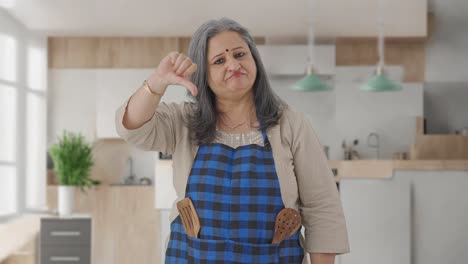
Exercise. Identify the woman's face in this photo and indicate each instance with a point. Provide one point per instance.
(231, 67)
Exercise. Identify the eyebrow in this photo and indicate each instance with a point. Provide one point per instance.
(223, 52)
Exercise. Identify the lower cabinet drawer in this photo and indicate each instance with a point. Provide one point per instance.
(66, 232)
(65, 255)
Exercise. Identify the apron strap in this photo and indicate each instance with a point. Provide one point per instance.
(265, 137)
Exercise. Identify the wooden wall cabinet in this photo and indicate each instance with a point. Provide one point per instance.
(110, 52)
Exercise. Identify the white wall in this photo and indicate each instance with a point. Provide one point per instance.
(446, 64)
(445, 107)
(348, 113)
(447, 49)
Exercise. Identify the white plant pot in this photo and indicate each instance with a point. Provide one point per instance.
(66, 195)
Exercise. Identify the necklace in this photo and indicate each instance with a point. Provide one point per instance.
(235, 140)
(232, 127)
(224, 121)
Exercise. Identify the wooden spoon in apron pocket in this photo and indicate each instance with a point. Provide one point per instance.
(189, 217)
(288, 221)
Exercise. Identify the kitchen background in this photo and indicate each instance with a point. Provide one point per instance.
(74, 77)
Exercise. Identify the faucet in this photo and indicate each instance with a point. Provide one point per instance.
(376, 144)
(130, 179)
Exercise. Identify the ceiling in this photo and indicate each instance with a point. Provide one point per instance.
(332, 18)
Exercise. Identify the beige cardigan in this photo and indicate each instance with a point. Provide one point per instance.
(306, 181)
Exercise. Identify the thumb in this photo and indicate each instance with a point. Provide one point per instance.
(189, 85)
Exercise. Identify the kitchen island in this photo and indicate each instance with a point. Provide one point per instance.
(387, 168)
(405, 211)
(125, 222)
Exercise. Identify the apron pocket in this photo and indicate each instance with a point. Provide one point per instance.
(254, 253)
(227, 251)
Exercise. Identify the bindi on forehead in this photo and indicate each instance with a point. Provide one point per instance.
(226, 51)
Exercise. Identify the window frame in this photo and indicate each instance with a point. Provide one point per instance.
(22, 92)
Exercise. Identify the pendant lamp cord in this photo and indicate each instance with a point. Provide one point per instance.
(311, 39)
(380, 19)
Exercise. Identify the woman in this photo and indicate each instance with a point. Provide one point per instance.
(239, 153)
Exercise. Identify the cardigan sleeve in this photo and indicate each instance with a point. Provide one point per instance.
(320, 204)
(158, 133)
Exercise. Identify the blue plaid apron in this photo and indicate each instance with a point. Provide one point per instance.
(236, 194)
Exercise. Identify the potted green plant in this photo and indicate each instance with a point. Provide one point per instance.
(73, 160)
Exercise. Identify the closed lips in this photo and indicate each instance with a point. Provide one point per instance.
(236, 74)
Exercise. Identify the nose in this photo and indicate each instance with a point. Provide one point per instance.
(233, 65)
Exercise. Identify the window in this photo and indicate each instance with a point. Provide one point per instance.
(8, 53)
(7, 125)
(8, 206)
(8, 129)
(23, 93)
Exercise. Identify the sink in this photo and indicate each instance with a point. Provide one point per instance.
(134, 180)
(129, 184)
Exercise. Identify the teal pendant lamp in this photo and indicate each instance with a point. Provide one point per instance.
(311, 82)
(380, 82)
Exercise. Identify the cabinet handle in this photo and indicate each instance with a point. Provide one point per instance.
(71, 259)
(65, 233)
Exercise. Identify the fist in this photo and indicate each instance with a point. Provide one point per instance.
(174, 69)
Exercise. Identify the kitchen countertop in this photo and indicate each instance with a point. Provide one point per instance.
(386, 168)
(129, 185)
(369, 168)
(18, 232)
(113, 185)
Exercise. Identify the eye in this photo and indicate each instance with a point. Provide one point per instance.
(240, 54)
(219, 61)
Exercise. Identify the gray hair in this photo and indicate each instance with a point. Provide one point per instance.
(202, 120)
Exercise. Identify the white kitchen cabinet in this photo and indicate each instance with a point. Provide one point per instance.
(378, 218)
(114, 87)
(439, 215)
(71, 103)
(85, 100)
